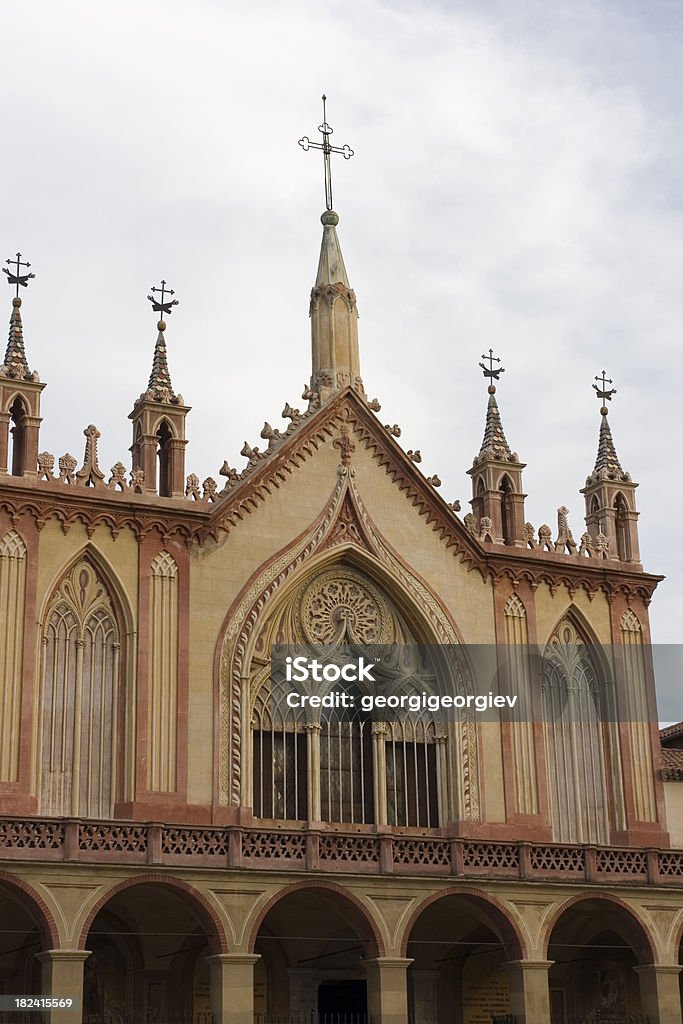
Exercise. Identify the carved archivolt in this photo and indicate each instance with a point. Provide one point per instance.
(295, 600)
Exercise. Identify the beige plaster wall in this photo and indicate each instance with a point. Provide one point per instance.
(673, 798)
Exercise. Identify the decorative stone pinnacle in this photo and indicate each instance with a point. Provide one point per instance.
(494, 442)
(607, 465)
(15, 365)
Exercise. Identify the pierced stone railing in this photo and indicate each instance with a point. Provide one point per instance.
(403, 853)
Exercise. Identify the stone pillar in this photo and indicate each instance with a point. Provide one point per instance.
(379, 756)
(312, 730)
(425, 990)
(387, 989)
(232, 987)
(62, 978)
(529, 991)
(660, 994)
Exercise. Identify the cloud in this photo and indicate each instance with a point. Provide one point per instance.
(515, 186)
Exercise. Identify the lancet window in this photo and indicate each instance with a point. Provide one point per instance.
(581, 741)
(79, 698)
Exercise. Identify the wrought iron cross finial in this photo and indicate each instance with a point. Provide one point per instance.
(490, 371)
(18, 278)
(327, 148)
(159, 305)
(604, 393)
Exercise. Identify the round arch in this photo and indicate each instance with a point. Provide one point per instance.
(35, 906)
(498, 915)
(357, 913)
(191, 897)
(634, 931)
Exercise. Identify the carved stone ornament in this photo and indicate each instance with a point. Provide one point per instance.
(341, 605)
(192, 487)
(46, 465)
(345, 445)
(210, 489)
(486, 528)
(67, 468)
(118, 477)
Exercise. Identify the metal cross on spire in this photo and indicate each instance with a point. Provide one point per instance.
(604, 393)
(18, 278)
(159, 305)
(327, 148)
(491, 371)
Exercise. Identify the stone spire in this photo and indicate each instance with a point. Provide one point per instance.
(494, 436)
(15, 365)
(611, 514)
(334, 320)
(160, 387)
(607, 465)
(497, 493)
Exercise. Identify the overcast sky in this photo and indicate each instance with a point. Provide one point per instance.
(516, 184)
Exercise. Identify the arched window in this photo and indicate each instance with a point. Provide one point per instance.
(506, 510)
(18, 413)
(280, 762)
(79, 698)
(578, 702)
(622, 531)
(164, 454)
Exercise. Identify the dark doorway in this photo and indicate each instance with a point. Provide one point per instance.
(345, 1002)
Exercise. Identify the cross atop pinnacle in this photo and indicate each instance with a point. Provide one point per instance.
(18, 278)
(160, 387)
(494, 444)
(604, 393)
(15, 365)
(493, 373)
(607, 464)
(327, 148)
(159, 306)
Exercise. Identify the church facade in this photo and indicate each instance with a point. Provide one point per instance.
(175, 847)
